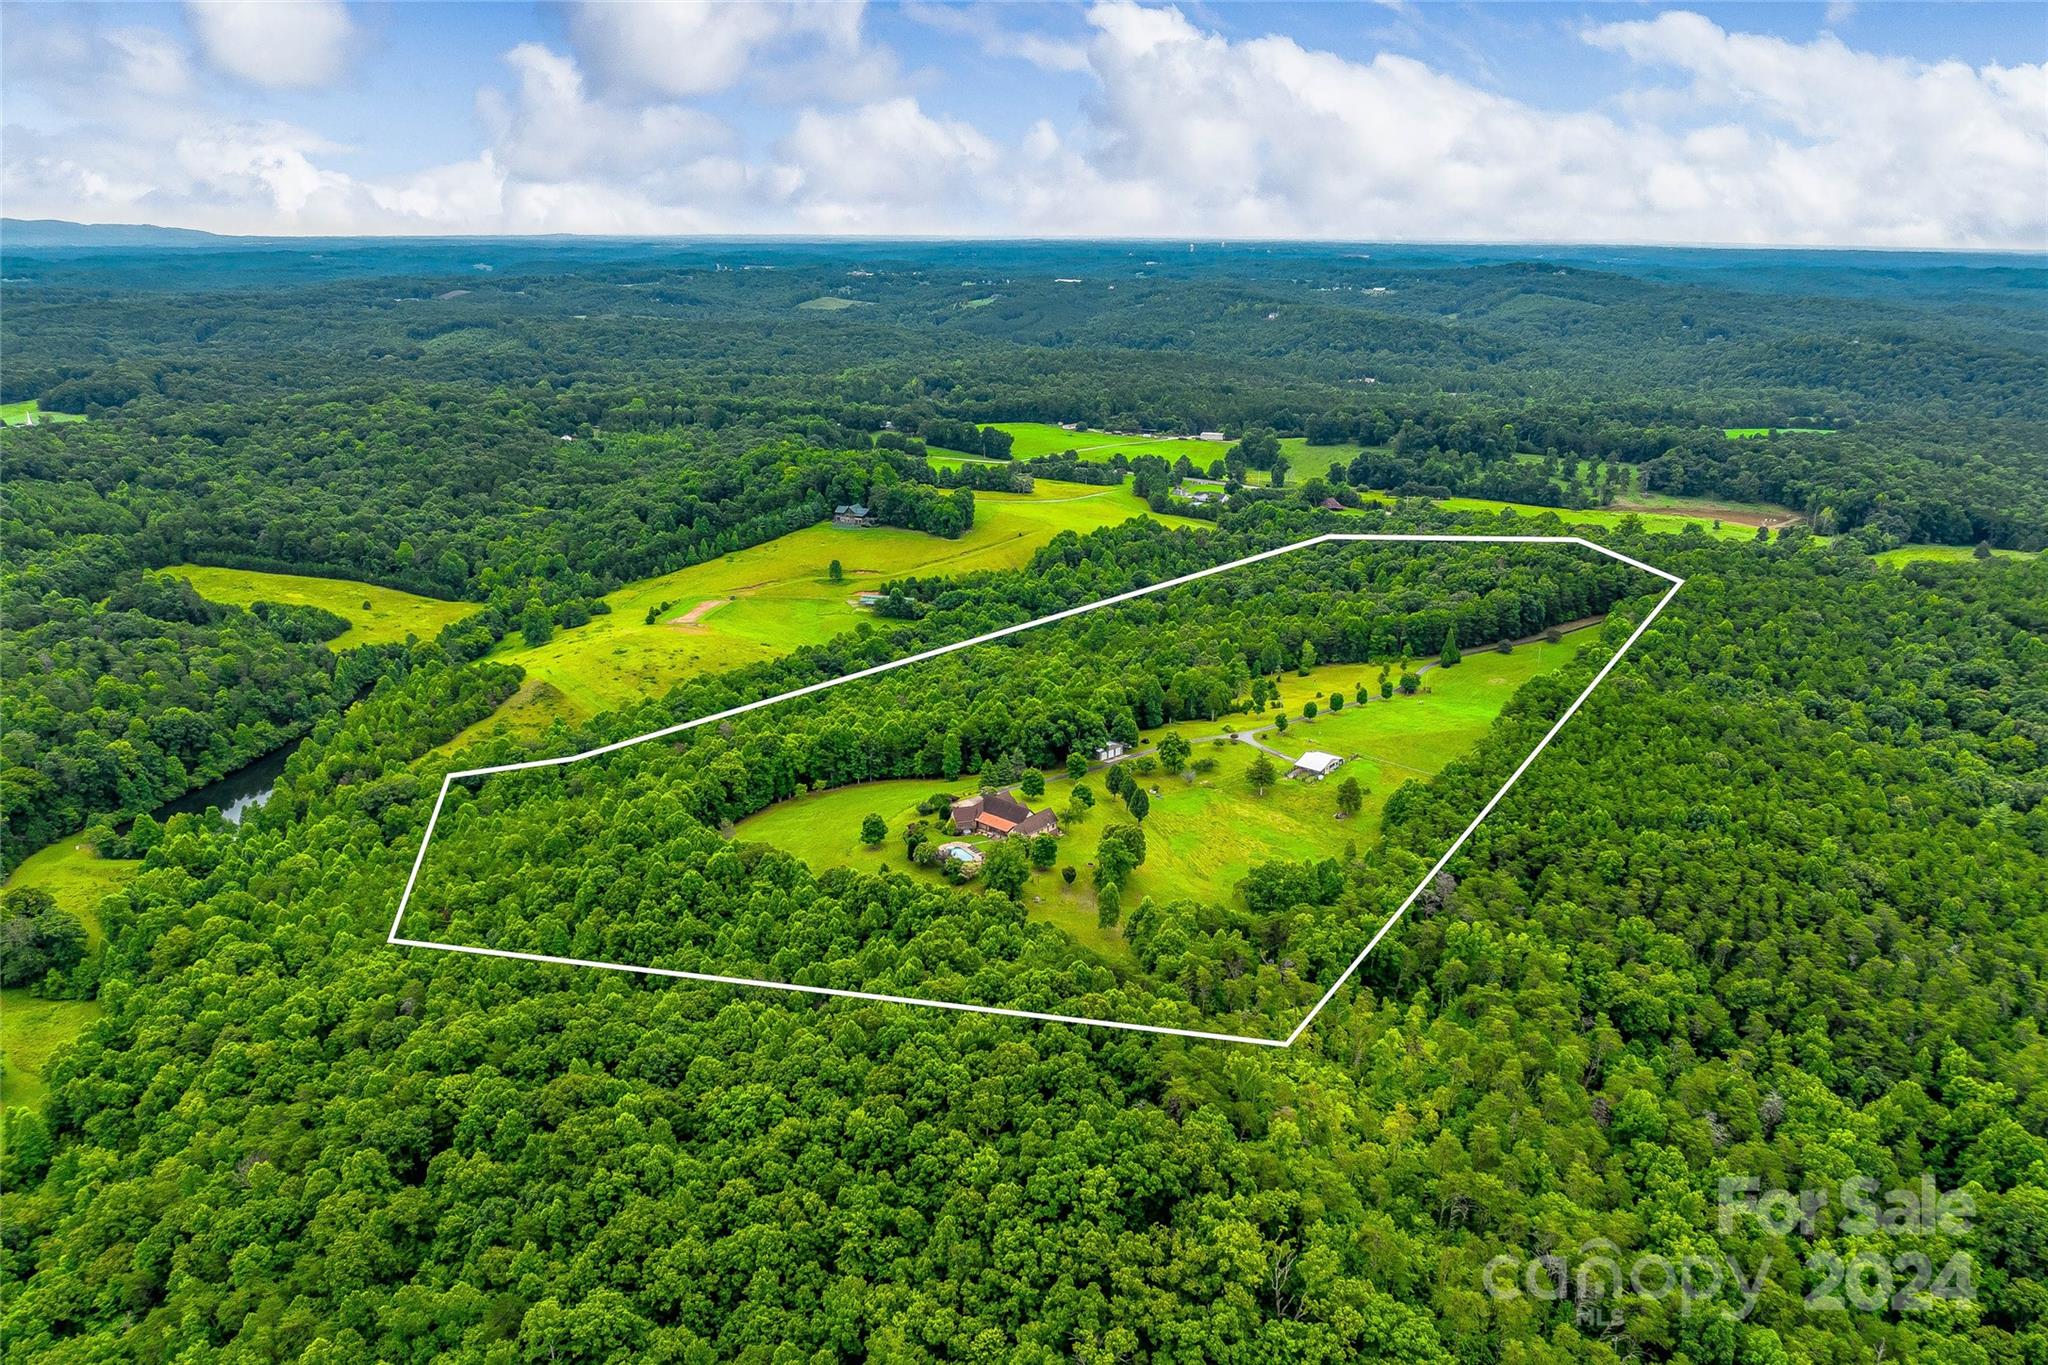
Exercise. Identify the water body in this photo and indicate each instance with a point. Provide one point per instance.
(240, 792)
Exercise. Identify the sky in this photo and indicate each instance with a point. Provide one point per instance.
(1843, 124)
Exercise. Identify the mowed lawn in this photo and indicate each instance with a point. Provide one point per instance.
(1205, 831)
(375, 615)
(1033, 440)
(26, 412)
(32, 1029)
(763, 602)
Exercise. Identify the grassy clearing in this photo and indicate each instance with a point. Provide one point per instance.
(27, 413)
(1036, 439)
(375, 615)
(1597, 516)
(831, 303)
(1943, 554)
(763, 602)
(1750, 514)
(1204, 832)
(76, 878)
(1745, 433)
(31, 1029)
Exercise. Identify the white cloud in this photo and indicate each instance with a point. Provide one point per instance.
(549, 130)
(277, 46)
(1722, 137)
(983, 23)
(885, 165)
(677, 50)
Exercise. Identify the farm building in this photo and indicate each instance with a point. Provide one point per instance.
(1000, 815)
(1314, 766)
(1331, 505)
(1112, 751)
(853, 514)
(871, 599)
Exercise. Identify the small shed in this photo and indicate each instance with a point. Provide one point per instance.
(1315, 765)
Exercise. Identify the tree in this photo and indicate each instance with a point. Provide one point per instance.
(1108, 905)
(1308, 656)
(835, 573)
(1077, 765)
(1129, 839)
(1137, 802)
(1045, 851)
(1174, 753)
(1033, 783)
(1350, 797)
(1006, 868)
(1386, 688)
(1336, 701)
(873, 831)
(36, 938)
(536, 626)
(1450, 657)
(1262, 775)
(1068, 873)
(1308, 710)
(1280, 722)
(1411, 683)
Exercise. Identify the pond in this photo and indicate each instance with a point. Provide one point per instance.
(240, 792)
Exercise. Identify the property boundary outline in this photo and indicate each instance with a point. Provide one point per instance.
(1330, 538)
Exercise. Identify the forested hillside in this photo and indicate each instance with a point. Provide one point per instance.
(1767, 921)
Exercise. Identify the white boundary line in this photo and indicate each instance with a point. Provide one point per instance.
(1330, 538)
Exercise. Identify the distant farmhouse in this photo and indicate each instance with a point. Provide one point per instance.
(1112, 751)
(853, 514)
(1000, 815)
(1212, 436)
(1331, 505)
(871, 599)
(1201, 497)
(1314, 766)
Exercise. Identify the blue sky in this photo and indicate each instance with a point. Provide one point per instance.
(1841, 124)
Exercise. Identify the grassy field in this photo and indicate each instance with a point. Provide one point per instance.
(26, 412)
(831, 303)
(1744, 433)
(375, 615)
(1597, 516)
(1943, 554)
(1204, 833)
(76, 879)
(763, 602)
(32, 1029)
(1036, 439)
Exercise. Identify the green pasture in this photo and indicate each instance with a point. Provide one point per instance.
(831, 303)
(1034, 440)
(32, 1029)
(1205, 831)
(1744, 433)
(1942, 554)
(376, 615)
(27, 413)
(1669, 522)
(763, 602)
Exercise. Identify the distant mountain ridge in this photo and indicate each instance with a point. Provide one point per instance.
(34, 232)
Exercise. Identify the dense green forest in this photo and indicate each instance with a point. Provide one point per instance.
(1769, 916)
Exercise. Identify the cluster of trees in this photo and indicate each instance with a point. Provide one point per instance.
(37, 937)
(116, 706)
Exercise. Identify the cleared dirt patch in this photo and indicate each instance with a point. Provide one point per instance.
(703, 609)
